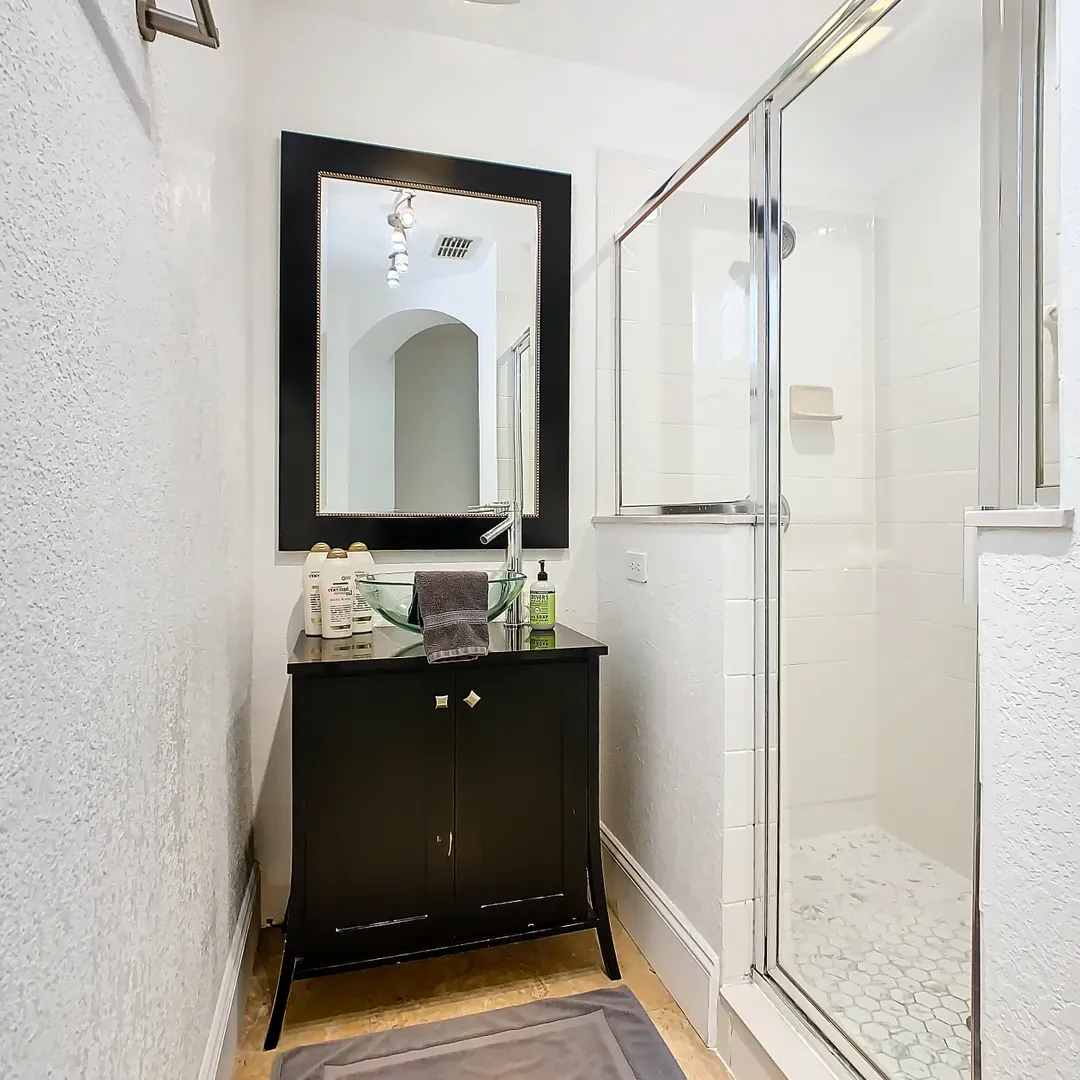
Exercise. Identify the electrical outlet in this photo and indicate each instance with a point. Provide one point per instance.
(637, 566)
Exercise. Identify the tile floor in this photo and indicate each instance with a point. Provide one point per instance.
(881, 936)
(358, 1002)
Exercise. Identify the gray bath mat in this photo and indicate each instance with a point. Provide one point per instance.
(602, 1035)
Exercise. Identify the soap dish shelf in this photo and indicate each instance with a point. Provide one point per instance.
(824, 417)
(814, 403)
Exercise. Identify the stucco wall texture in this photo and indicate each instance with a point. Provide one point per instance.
(124, 535)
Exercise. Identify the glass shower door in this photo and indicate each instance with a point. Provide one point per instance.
(875, 449)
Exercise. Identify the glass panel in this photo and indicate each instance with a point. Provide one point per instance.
(1050, 213)
(879, 354)
(686, 340)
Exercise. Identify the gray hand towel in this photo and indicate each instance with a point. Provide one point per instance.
(452, 608)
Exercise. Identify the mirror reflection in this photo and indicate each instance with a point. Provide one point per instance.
(422, 295)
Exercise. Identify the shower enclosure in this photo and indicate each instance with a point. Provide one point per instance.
(871, 351)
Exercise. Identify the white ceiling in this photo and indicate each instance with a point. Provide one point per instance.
(720, 46)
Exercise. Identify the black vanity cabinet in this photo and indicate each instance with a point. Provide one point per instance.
(439, 808)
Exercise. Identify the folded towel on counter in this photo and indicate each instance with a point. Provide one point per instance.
(452, 609)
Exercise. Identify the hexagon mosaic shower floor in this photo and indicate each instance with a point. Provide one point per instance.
(881, 936)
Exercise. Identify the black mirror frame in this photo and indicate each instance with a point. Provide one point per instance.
(303, 159)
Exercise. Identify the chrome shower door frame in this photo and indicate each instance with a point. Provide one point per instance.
(1009, 373)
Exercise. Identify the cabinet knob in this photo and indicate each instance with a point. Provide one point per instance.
(472, 700)
(442, 701)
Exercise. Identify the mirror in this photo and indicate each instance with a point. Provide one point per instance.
(415, 290)
(422, 296)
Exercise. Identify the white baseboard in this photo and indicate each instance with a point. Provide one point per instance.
(219, 1058)
(685, 962)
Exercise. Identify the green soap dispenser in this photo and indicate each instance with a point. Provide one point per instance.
(542, 602)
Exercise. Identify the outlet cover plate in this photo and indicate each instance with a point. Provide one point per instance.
(637, 566)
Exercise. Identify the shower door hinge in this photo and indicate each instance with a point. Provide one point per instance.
(202, 29)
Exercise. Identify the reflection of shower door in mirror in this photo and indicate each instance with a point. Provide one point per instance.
(875, 447)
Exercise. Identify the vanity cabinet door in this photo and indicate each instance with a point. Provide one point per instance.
(377, 794)
(520, 830)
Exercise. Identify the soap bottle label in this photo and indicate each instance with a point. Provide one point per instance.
(339, 603)
(542, 609)
(314, 600)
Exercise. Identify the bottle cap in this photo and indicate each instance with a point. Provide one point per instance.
(358, 547)
(542, 576)
(338, 553)
(321, 547)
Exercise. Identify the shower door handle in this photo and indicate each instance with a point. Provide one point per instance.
(785, 513)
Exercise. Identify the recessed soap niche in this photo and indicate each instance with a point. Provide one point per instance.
(814, 403)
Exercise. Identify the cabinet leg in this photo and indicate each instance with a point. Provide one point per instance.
(281, 997)
(599, 902)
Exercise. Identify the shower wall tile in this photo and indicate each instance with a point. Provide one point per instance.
(928, 348)
(739, 637)
(820, 452)
(738, 713)
(686, 344)
(830, 499)
(738, 869)
(927, 404)
(821, 639)
(927, 399)
(738, 941)
(935, 547)
(927, 497)
(829, 546)
(738, 788)
(828, 592)
(951, 445)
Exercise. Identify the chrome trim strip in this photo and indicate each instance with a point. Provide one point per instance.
(845, 1050)
(759, 457)
(617, 381)
(772, 533)
(994, 469)
(1024, 156)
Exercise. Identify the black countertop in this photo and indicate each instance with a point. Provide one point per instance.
(388, 648)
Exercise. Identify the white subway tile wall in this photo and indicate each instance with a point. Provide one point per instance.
(928, 228)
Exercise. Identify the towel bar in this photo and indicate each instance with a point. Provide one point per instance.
(202, 29)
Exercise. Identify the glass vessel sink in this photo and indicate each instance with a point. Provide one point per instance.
(391, 595)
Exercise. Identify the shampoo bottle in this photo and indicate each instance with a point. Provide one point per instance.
(310, 600)
(336, 595)
(362, 565)
(542, 602)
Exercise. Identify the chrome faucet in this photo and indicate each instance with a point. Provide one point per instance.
(511, 524)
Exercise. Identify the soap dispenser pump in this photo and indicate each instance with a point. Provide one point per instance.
(542, 602)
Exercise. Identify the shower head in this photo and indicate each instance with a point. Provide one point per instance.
(787, 239)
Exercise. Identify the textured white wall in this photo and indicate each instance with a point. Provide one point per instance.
(677, 737)
(124, 581)
(1029, 644)
(466, 99)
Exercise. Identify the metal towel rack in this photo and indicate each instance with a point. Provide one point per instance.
(202, 29)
